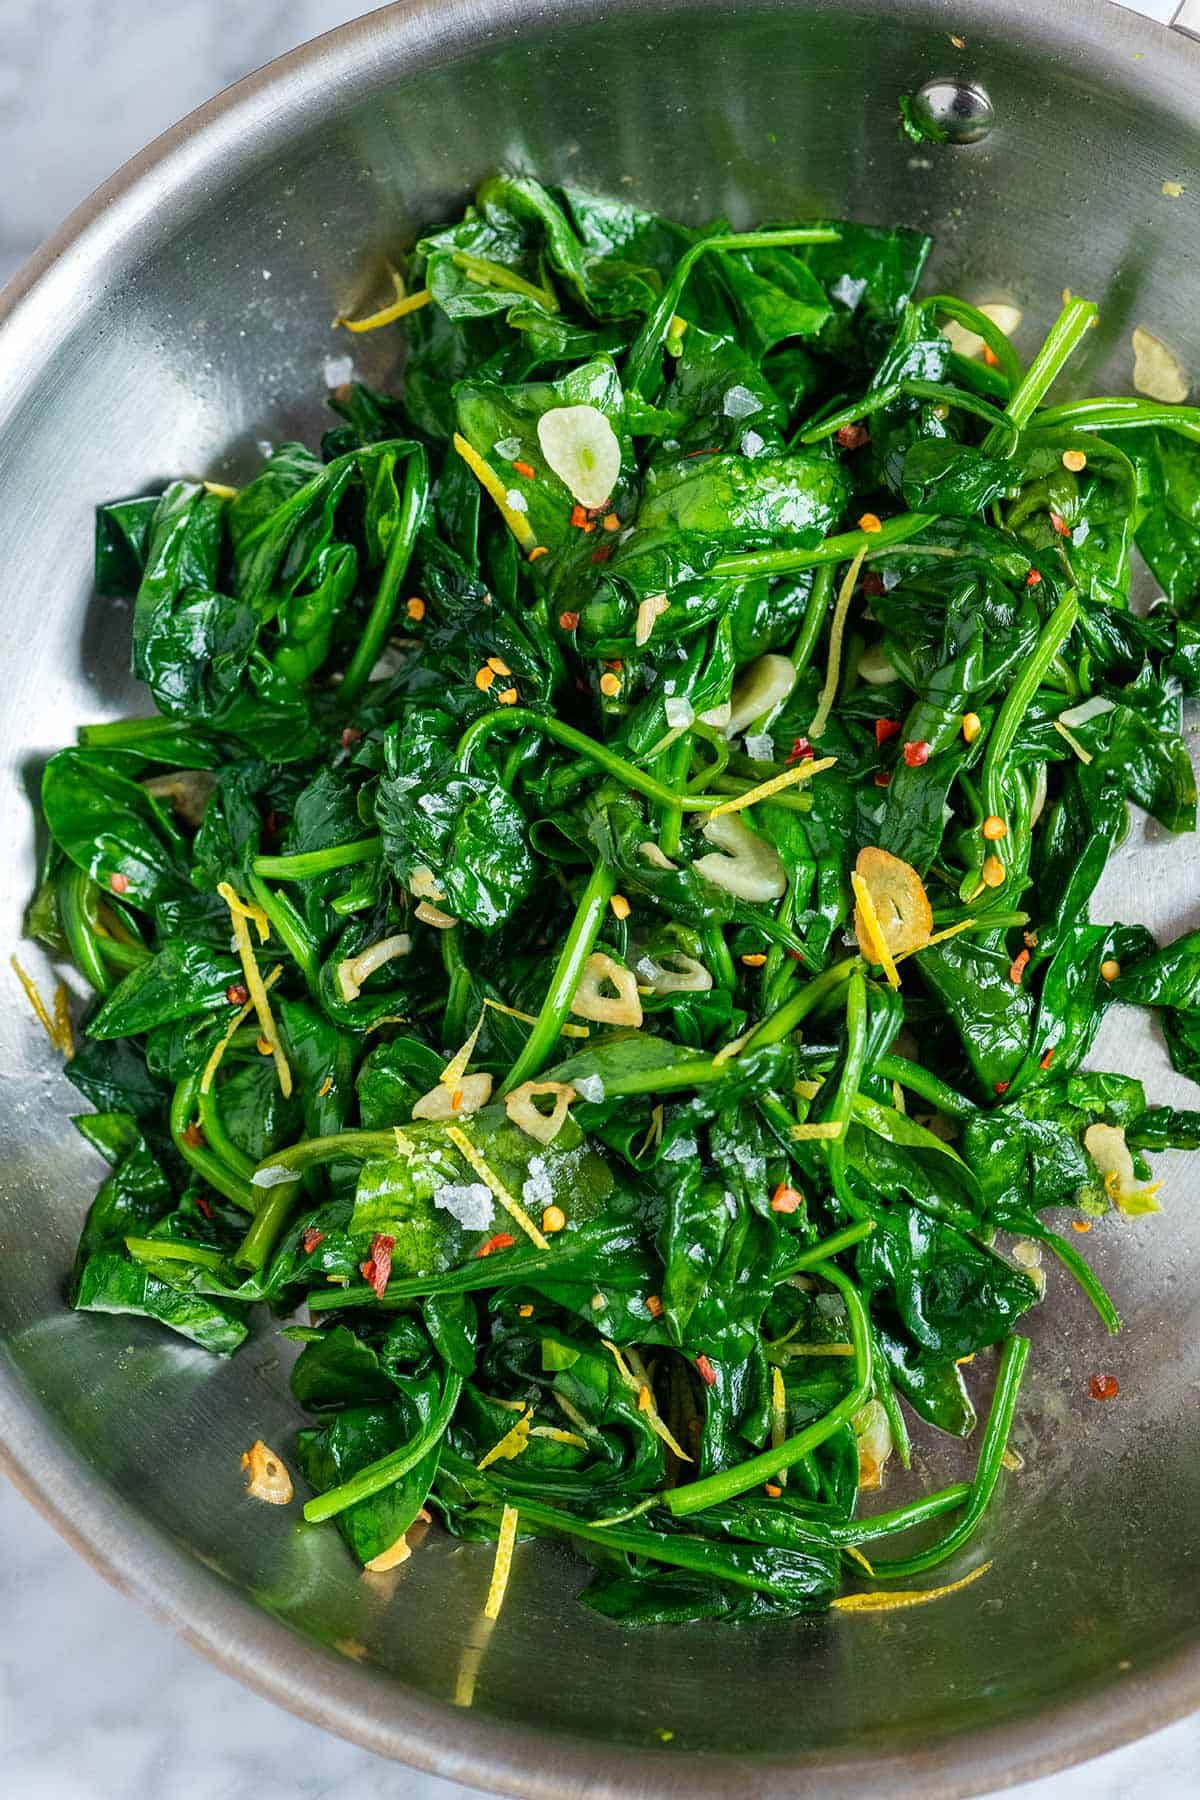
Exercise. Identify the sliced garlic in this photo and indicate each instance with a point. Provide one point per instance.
(899, 900)
(433, 915)
(673, 972)
(472, 1092)
(591, 1002)
(873, 1435)
(583, 450)
(874, 667)
(528, 1117)
(747, 867)
(654, 856)
(1106, 1146)
(1004, 317)
(267, 1477)
(188, 790)
(423, 884)
(762, 686)
(1157, 372)
(651, 609)
(391, 1558)
(354, 970)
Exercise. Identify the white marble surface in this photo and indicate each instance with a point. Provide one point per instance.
(96, 1701)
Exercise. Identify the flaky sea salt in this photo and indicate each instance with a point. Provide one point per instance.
(739, 403)
(468, 1202)
(679, 711)
(589, 1087)
(761, 746)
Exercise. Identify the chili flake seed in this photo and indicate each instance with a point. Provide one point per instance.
(754, 959)
(312, 1237)
(1110, 968)
(118, 882)
(1033, 579)
(611, 522)
(568, 621)
(654, 1306)
(579, 516)
(350, 735)
(1000, 1087)
(870, 522)
(620, 905)
(508, 697)
(525, 1312)
(610, 684)
(992, 872)
(852, 437)
(193, 1137)
(456, 1100)
(960, 43)
(553, 1219)
(598, 1303)
(990, 357)
(538, 550)
(1045, 1061)
(236, 994)
(772, 1490)
(1018, 968)
(883, 778)
(263, 1046)
(885, 729)
(994, 828)
(1060, 524)
(484, 678)
(645, 1399)
(503, 1240)
(786, 1199)
(972, 725)
(1075, 460)
(326, 1087)
(1103, 1387)
(498, 666)
(526, 469)
(1081, 1224)
(916, 753)
(707, 1373)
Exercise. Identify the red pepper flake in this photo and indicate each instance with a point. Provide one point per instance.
(883, 778)
(377, 1270)
(1060, 524)
(852, 437)
(786, 1199)
(1103, 1387)
(1033, 579)
(236, 994)
(654, 1305)
(713, 450)
(611, 522)
(524, 468)
(601, 553)
(885, 729)
(916, 753)
(1081, 1224)
(1000, 1087)
(312, 1237)
(707, 1373)
(568, 621)
(538, 550)
(503, 1240)
(350, 735)
(1018, 968)
(579, 516)
(204, 1206)
(990, 357)
(1048, 1058)
(873, 585)
(193, 1137)
(118, 882)
(799, 750)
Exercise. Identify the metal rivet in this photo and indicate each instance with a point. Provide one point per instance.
(959, 112)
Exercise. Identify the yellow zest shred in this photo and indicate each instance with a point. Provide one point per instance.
(634, 1374)
(512, 1206)
(571, 1412)
(820, 1349)
(1085, 756)
(654, 1130)
(239, 1017)
(514, 1012)
(62, 1021)
(778, 1417)
(876, 948)
(456, 1068)
(468, 1668)
(402, 304)
(895, 1601)
(503, 1563)
(220, 490)
(488, 479)
(511, 1445)
(558, 1437)
(806, 1089)
(836, 633)
(240, 913)
(859, 1558)
(734, 1045)
(939, 937)
(803, 771)
(831, 1128)
(38, 1004)
(385, 1019)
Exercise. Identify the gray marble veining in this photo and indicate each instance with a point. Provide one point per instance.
(97, 1702)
